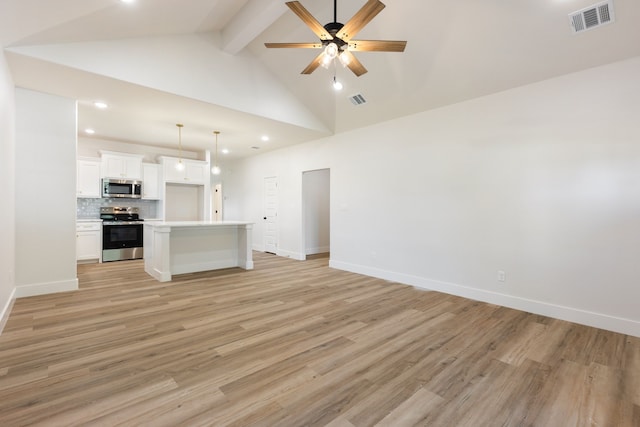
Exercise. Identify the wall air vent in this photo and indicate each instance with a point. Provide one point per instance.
(357, 99)
(592, 17)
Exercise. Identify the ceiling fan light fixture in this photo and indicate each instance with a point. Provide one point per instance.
(326, 62)
(344, 58)
(331, 50)
(330, 53)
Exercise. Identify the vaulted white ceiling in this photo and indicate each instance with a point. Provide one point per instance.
(203, 62)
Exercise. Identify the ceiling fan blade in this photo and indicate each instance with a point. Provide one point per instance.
(314, 64)
(294, 45)
(377, 45)
(353, 63)
(360, 19)
(308, 19)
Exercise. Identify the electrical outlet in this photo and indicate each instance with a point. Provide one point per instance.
(502, 276)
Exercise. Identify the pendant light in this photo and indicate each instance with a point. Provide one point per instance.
(216, 169)
(180, 165)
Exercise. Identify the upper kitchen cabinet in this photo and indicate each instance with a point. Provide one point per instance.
(121, 165)
(195, 172)
(151, 181)
(88, 178)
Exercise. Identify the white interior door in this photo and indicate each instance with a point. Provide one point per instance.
(270, 214)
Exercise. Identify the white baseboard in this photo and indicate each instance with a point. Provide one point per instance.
(293, 255)
(46, 288)
(6, 310)
(317, 250)
(281, 252)
(570, 314)
(204, 266)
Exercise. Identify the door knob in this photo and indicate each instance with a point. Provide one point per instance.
(264, 217)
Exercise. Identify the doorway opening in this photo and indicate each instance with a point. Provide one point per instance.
(316, 208)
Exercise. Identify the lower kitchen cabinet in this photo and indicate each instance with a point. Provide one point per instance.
(89, 241)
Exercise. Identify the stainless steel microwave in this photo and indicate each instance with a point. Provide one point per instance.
(124, 188)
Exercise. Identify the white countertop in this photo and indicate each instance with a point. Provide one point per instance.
(195, 223)
(88, 220)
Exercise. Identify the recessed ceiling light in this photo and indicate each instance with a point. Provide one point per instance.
(127, 1)
(89, 131)
(265, 138)
(225, 151)
(100, 104)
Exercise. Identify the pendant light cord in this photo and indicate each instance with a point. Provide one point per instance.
(180, 140)
(215, 164)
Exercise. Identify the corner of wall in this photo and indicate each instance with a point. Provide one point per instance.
(7, 191)
(6, 310)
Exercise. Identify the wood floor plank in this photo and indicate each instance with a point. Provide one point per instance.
(412, 410)
(295, 343)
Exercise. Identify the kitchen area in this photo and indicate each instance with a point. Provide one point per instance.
(118, 192)
(59, 170)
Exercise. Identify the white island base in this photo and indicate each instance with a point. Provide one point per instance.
(178, 247)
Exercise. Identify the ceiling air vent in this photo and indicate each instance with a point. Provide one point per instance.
(357, 99)
(592, 17)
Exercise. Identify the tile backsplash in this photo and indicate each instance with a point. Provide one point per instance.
(90, 208)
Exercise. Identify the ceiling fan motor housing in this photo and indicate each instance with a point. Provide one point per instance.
(333, 28)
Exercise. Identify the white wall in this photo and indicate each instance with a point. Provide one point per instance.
(541, 182)
(90, 147)
(184, 202)
(45, 165)
(316, 211)
(7, 191)
(239, 82)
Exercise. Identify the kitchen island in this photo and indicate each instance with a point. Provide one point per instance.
(178, 247)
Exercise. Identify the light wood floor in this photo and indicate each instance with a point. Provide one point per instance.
(299, 344)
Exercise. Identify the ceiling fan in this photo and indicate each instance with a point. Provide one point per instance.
(337, 39)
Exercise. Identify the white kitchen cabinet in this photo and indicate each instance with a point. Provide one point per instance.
(195, 172)
(88, 178)
(151, 181)
(88, 241)
(121, 165)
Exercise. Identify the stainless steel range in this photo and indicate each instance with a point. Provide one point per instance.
(121, 233)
